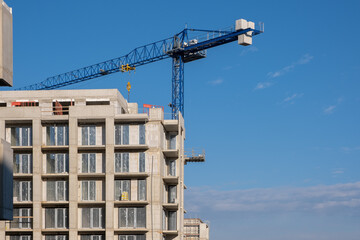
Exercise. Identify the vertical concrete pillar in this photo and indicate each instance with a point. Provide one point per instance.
(109, 179)
(73, 179)
(37, 181)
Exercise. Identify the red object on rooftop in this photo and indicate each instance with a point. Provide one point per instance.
(146, 107)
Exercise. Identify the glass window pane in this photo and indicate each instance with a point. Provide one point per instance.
(92, 160)
(60, 218)
(50, 190)
(131, 217)
(171, 220)
(117, 162)
(122, 217)
(92, 135)
(126, 187)
(141, 190)
(171, 193)
(92, 190)
(86, 217)
(125, 135)
(60, 163)
(142, 162)
(172, 168)
(96, 217)
(84, 135)
(117, 134)
(85, 165)
(60, 138)
(85, 190)
(49, 218)
(16, 167)
(125, 162)
(141, 217)
(61, 191)
(172, 141)
(142, 134)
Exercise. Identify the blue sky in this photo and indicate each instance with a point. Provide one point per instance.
(279, 120)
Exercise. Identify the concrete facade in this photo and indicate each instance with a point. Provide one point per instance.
(88, 165)
(6, 45)
(6, 180)
(196, 229)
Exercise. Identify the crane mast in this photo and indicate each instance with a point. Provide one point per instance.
(182, 48)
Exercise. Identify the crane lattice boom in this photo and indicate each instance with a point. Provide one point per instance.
(182, 48)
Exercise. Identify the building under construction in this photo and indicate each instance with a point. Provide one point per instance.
(90, 165)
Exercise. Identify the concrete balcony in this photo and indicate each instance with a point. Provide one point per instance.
(171, 153)
(171, 179)
(171, 206)
(127, 175)
(132, 147)
(131, 203)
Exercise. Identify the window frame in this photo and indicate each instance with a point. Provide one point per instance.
(91, 219)
(89, 195)
(19, 163)
(122, 160)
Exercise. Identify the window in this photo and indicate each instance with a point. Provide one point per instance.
(92, 237)
(142, 134)
(56, 191)
(92, 217)
(122, 186)
(121, 162)
(88, 189)
(171, 193)
(141, 190)
(171, 138)
(132, 237)
(88, 135)
(57, 163)
(171, 220)
(20, 237)
(56, 237)
(56, 217)
(172, 168)
(22, 163)
(121, 134)
(88, 162)
(57, 135)
(132, 217)
(142, 162)
(22, 191)
(22, 218)
(21, 136)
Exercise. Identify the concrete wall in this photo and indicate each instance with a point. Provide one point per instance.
(6, 45)
(6, 181)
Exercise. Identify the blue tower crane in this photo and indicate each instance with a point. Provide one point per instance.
(182, 48)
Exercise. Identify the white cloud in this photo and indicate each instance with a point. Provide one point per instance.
(263, 85)
(216, 82)
(325, 198)
(330, 109)
(303, 60)
(290, 99)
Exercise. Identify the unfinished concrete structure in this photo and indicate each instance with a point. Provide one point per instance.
(195, 229)
(87, 165)
(6, 45)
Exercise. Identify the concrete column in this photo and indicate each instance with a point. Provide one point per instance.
(73, 179)
(109, 179)
(37, 181)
